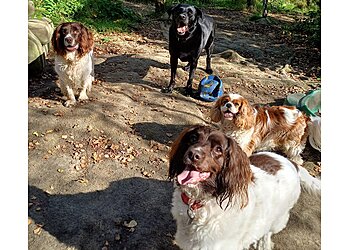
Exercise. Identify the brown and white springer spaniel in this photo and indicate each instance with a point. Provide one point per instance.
(282, 128)
(225, 200)
(73, 44)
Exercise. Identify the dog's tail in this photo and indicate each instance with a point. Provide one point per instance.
(311, 184)
(314, 130)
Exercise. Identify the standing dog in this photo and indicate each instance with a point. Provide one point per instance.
(191, 31)
(282, 128)
(73, 45)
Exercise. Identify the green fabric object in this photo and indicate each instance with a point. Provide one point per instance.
(310, 102)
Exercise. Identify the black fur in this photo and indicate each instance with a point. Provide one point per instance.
(188, 44)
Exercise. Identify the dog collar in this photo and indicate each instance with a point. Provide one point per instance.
(191, 205)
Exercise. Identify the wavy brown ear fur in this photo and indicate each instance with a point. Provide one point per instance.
(235, 176)
(87, 41)
(55, 40)
(245, 118)
(215, 111)
(177, 152)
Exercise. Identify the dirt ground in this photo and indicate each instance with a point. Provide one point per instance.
(97, 172)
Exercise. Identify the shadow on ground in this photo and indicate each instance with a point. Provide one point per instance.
(161, 133)
(87, 220)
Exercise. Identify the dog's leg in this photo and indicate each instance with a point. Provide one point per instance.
(265, 243)
(209, 50)
(193, 66)
(173, 63)
(86, 87)
(70, 97)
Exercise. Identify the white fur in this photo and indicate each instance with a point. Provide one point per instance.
(314, 129)
(75, 75)
(270, 199)
(291, 115)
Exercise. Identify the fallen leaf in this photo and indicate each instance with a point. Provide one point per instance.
(131, 224)
(37, 230)
(117, 237)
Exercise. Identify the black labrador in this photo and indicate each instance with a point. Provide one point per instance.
(191, 31)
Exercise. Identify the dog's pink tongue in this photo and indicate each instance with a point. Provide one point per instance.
(191, 177)
(72, 48)
(182, 29)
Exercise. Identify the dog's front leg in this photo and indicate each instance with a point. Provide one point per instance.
(86, 88)
(70, 96)
(209, 50)
(173, 63)
(193, 66)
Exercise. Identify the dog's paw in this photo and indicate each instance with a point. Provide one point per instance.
(69, 103)
(167, 90)
(209, 71)
(83, 97)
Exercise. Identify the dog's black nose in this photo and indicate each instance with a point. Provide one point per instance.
(195, 155)
(182, 16)
(228, 105)
(69, 39)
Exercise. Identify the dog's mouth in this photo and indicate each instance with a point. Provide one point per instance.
(181, 30)
(228, 115)
(192, 176)
(72, 48)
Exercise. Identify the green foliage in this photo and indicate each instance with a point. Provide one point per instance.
(292, 6)
(57, 11)
(101, 15)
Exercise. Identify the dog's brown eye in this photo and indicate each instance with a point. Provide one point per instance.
(193, 138)
(236, 104)
(218, 149)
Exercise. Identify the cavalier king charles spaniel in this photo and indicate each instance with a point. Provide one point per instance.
(73, 46)
(225, 200)
(282, 128)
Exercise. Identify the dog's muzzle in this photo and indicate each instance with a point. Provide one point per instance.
(69, 43)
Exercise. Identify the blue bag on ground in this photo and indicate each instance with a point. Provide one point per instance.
(210, 88)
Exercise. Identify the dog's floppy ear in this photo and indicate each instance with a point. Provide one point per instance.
(233, 180)
(171, 9)
(245, 118)
(215, 111)
(55, 40)
(199, 13)
(178, 150)
(87, 40)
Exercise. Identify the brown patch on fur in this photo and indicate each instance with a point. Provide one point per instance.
(266, 163)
